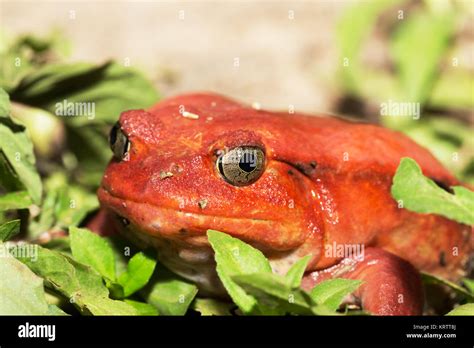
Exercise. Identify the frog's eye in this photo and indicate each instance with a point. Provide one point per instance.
(118, 142)
(242, 165)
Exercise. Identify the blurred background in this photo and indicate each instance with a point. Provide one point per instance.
(341, 57)
(286, 51)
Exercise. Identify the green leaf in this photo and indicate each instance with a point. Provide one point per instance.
(331, 292)
(58, 243)
(420, 194)
(142, 308)
(64, 274)
(352, 31)
(32, 51)
(111, 88)
(9, 229)
(64, 205)
(47, 218)
(4, 103)
(275, 293)
(453, 90)
(234, 257)
(17, 160)
(209, 306)
(79, 283)
(90, 148)
(139, 271)
(15, 200)
(122, 250)
(45, 221)
(106, 306)
(445, 136)
(467, 309)
(91, 249)
(21, 291)
(433, 279)
(417, 58)
(168, 293)
(296, 272)
(73, 204)
(469, 283)
(55, 310)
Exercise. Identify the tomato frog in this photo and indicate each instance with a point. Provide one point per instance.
(288, 184)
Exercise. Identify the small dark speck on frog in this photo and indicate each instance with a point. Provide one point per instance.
(202, 203)
(442, 259)
(176, 168)
(123, 220)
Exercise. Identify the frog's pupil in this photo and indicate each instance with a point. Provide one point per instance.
(247, 162)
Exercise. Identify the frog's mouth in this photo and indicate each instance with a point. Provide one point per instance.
(190, 227)
(181, 240)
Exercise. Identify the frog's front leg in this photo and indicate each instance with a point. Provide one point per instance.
(391, 285)
(103, 223)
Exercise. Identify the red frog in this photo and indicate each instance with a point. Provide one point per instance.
(289, 185)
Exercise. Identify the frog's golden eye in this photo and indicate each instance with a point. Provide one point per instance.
(242, 165)
(118, 142)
